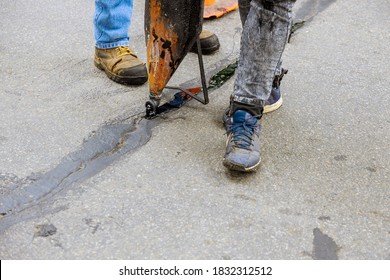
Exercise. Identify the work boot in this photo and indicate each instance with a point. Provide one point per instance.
(243, 143)
(121, 65)
(209, 43)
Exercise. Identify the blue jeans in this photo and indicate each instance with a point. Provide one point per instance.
(266, 29)
(112, 22)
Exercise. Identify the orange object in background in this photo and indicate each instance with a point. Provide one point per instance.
(217, 8)
(209, 2)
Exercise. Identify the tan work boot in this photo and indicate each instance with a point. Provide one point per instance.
(121, 65)
(209, 43)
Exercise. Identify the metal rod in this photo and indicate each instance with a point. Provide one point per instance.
(202, 74)
(189, 93)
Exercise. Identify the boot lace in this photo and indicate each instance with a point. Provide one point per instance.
(123, 51)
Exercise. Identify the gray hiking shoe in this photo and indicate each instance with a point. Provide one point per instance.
(243, 143)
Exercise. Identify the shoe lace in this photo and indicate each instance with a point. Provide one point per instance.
(242, 132)
(123, 51)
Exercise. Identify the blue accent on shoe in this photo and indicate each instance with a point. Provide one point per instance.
(243, 128)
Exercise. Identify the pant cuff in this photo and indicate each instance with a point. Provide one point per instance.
(112, 45)
(252, 106)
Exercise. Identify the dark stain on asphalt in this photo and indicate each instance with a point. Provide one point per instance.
(244, 197)
(324, 218)
(371, 169)
(324, 247)
(94, 225)
(310, 9)
(289, 212)
(102, 148)
(45, 230)
(307, 12)
(340, 158)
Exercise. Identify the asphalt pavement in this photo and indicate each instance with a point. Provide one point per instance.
(84, 176)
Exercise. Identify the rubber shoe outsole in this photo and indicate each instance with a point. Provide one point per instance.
(237, 167)
(273, 107)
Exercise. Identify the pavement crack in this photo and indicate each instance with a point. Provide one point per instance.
(104, 146)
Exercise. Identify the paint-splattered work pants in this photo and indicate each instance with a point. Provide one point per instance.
(266, 27)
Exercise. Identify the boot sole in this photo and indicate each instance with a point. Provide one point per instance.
(211, 50)
(135, 80)
(205, 51)
(236, 167)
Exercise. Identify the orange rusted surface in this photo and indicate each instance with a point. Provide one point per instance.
(161, 49)
(217, 8)
(171, 29)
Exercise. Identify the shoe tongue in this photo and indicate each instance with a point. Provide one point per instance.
(240, 116)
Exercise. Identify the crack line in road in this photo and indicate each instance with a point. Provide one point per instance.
(103, 147)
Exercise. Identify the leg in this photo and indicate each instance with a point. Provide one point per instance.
(112, 21)
(275, 99)
(266, 28)
(244, 7)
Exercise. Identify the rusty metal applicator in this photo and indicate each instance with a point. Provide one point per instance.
(171, 29)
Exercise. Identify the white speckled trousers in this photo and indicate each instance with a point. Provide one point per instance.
(266, 27)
